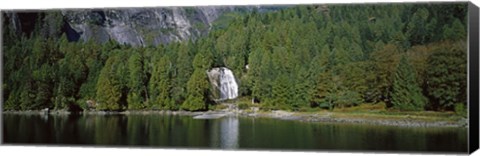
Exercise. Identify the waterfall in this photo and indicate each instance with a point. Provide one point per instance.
(228, 86)
(223, 80)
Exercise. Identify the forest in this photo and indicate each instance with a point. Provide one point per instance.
(411, 57)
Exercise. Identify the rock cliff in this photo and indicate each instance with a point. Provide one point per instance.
(143, 26)
(132, 26)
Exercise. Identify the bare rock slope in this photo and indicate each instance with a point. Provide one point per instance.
(143, 26)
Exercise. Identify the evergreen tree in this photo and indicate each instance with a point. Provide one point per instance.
(456, 31)
(317, 70)
(384, 59)
(417, 27)
(44, 87)
(263, 85)
(160, 85)
(406, 94)
(136, 82)
(301, 89)
(254, 63)
(281, 93)
(325, 93)
(198, 85)
(27, 97)
(183, 71)
(197, 89)
(108, 87)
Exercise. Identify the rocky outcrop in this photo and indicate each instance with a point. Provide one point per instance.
(143, 26)
(131, 26)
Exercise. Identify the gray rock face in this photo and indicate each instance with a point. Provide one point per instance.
(143, 26)
(131, 26)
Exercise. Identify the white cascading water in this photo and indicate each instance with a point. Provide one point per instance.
(228, 85)
(223, 81)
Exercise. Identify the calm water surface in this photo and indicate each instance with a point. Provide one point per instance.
(169, 131)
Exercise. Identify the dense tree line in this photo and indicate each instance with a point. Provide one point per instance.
(409, 56)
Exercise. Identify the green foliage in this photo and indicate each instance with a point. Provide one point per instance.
(447, 76)
(299, 58)
(134, 101)
(417, 29)
(108, 87)
(325, 91)
(301, 90)
(182, 72)
(197, 89)
(461, 109)
(406, 94)
(52, 24)
(281, 93)
(160, 85)
(243, 105)
(202, 61)
(27, 97)
(198, 86)
(384, 61)
(347, 98)
(136, 82)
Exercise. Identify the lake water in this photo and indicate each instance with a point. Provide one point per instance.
(168, 131)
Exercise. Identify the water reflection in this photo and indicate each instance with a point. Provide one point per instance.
(229, 133)
(225, 133)
(44, 117)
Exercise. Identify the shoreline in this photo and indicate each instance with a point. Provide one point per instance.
(310, 117)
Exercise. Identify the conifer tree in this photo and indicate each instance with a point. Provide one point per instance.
(317, 71)
(197, 86)
(455, 32)
(182, 73)
(301, 89)
(406, 93)
(108, 88)
(160, 85)
(281, 94)
(254, 63)
(135, 82)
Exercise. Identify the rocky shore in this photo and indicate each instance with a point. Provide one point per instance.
(325, 117)
(330, 117)
(390, 122)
